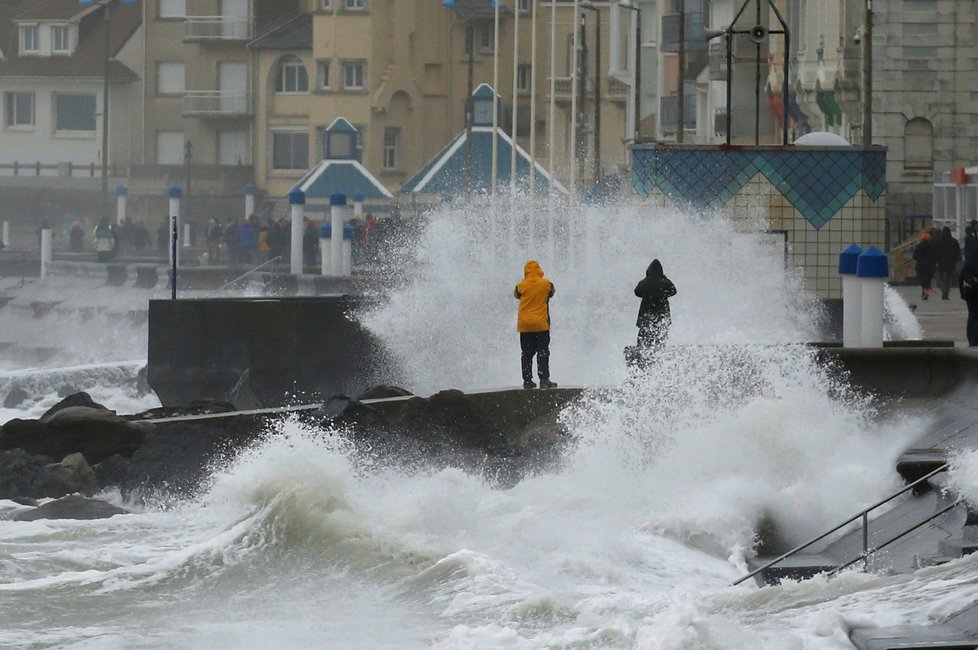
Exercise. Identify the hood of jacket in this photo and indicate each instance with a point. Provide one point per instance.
(654, 270)
(532, 270)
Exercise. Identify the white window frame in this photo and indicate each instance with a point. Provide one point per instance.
(392, 141)
(523, 6)
(524, 73)
(178, 160)
(271, 150)
(160, 77)
(172, 8)
(281, 85)
(35, 41)
(326, 5)
(83, 133)
(355, 5)
(11, 116)
(324, 74)
(486, 40)
(351, 67)
(63, 47)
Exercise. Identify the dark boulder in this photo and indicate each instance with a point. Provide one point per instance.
(71, 507)
(75, 399)
(384, 391)
(95, 433)
(452, 415)
(15, 397)
(197, 407)
(343, 411)
(114, 471)
(35, 477)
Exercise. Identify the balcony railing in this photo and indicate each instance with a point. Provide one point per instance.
(696, 24)
(718, 60)
(217, 28)
(211, 103)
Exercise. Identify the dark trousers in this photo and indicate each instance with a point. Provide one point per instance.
(972, 331)
(535, 343)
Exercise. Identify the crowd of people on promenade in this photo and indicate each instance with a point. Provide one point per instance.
(938, 255)
(236, 242)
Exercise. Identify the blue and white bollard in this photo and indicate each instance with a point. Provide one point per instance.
(121, 194)
(297, 199)
(175, 194)
(325, 251)
(337, 202)
(250, 193)
(852, 305)
(873, 269)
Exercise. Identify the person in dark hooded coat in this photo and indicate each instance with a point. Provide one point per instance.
(968, 284)
(654, 317)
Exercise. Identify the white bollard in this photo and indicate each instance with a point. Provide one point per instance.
(186, 235)
(6, 233)
(324, 249)
(358, 205)
(347, 250)
(45, 251)
(851, 297)
(297, 199)
(250, 193)
(873, 270)
(337, 202)
(121, 196)
(175, 194)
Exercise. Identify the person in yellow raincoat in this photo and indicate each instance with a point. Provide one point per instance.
(533, 323)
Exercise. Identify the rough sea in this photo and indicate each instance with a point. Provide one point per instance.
(631, 543)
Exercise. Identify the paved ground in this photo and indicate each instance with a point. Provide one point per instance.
(940, 319)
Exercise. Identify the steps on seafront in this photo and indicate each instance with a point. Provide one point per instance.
(911, 637)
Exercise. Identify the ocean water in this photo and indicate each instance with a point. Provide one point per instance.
(631, 543)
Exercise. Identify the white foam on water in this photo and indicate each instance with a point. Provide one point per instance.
(632, 543)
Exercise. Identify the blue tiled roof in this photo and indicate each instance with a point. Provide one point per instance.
(347, 176)
(446, 174)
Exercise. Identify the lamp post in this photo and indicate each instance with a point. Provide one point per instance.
(637, 85)
(587, 4)
(868, 75)
(106, 5)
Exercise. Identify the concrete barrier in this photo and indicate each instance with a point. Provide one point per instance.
(147, 277)
(280, 350)
(116, 274)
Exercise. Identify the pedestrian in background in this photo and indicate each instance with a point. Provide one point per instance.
(925, 255)
(533, 323)
(971, 240)
(968, 285)
(948, 260)
(654, 316)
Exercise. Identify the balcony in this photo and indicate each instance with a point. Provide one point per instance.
(696, 25)
(216, 104)
(718, 60)
(668, 110)
(617, 90)
(217, 28)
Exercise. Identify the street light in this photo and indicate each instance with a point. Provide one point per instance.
(106, 4)
(587, 4)
(637, 85)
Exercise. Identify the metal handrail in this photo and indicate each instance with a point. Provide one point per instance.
(864, 515)
(247, 273)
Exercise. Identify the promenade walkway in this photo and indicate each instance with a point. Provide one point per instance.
(940, 319)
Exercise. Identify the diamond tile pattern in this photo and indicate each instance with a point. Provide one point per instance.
(816, 182)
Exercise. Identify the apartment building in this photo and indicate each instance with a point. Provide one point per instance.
(399, 71)
(199, 80)
(52, 69)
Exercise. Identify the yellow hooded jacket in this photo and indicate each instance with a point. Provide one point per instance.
(534, 294)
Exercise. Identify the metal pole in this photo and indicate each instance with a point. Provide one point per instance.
(470, 39)
(105, 111)
(581, 151)
(533, 108)
(681, 96)
(174, 236)
(515, 105)
(597, 99)
(757, 85)
(868, 76)
(551, 131)
(495, 102)
(729, 79)
(638, 75)
(574, 82)
(784, 88)
(866, 539)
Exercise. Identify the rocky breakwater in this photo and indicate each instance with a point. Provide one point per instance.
(79, 448)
